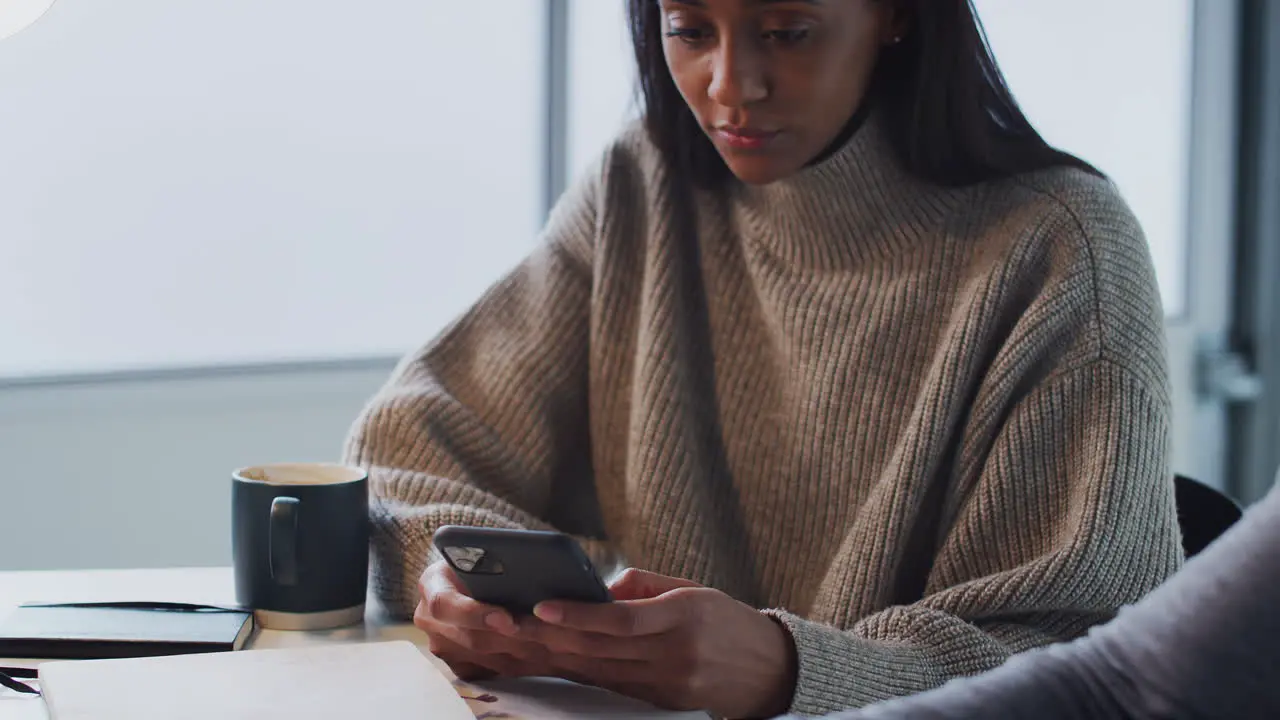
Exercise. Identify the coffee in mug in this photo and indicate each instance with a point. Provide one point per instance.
(300, 544)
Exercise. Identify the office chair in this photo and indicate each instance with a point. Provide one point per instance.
(1203, 513)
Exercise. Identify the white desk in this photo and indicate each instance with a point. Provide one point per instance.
(531, 699)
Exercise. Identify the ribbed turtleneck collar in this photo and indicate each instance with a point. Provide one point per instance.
(857, 203)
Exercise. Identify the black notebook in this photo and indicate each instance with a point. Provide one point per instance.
(121, 630)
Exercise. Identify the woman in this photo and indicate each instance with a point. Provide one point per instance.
(866, 378)
(1206, 644)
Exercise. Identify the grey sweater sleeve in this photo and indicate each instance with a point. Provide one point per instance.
(1206, 644)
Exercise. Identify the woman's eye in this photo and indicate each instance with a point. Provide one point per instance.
(789, 36)
(688, 35)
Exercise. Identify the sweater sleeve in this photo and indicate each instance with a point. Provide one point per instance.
(1202, 645)
(487, 424)
(1070, 517)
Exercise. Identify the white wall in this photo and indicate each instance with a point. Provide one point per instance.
(137, 473)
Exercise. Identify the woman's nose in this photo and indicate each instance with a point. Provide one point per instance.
(737, 75)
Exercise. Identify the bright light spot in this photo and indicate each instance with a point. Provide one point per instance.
(18, 14)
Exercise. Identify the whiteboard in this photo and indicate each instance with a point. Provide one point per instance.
(195, 182)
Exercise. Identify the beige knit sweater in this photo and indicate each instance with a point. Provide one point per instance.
(925, 427)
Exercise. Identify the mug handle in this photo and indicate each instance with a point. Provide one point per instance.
(283, 540)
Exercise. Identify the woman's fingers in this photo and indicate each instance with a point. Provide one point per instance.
(566, 641)
(464, 664)
(445, 601)
(486, 642)
(519, 660)
(473, 638)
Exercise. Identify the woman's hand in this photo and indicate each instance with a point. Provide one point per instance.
(474, 639)
(673, 643)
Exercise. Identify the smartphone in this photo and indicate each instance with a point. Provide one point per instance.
(517, 569)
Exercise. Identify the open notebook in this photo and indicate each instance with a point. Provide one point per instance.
(389, 681)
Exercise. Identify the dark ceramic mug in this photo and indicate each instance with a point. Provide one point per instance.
(300, 544)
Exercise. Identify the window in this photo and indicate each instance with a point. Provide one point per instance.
(191, 182)
(1110, 81)
(602, 78)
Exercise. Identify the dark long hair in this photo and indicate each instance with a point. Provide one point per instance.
(946, 107)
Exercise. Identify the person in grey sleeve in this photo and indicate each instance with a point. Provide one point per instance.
(1206, 644)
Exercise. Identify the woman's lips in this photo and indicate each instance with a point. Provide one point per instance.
(745, 138)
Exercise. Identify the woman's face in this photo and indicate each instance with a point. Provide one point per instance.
(773, 82)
